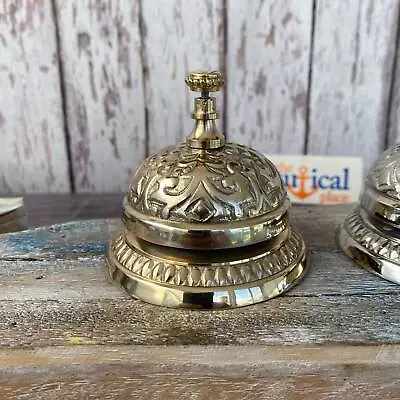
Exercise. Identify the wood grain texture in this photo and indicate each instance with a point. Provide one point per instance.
(267, 73)
(200, 372)
(179, 36)
(354, 44)
(100, 48)
(33, 149)
(53, 283)
(48, 209)
(394, 117)
(289, 320)
(65, 332)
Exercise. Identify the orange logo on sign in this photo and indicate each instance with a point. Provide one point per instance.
(302, 177)
(318, 182)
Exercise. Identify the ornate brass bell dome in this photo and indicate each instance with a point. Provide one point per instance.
(207, 223)
(370, 235)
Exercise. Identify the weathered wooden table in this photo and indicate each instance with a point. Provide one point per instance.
(66, 333)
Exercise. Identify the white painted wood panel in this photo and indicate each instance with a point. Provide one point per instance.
(100, 51)
(267, 73)
(179, 36)
(33, 155)
(354, 43)
(120, 59)
(394, 121)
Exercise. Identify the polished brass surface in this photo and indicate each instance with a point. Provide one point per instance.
(207, 223)
(205, 110)
(201, 81)
(246, 279)
(205, 134)
(207, 236)
(229, 184)
(371, 234)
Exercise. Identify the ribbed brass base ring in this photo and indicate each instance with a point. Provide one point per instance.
(171, 280)
(370, 248)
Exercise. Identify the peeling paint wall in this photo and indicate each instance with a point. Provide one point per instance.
(90, 88)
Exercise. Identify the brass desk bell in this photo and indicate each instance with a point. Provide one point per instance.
(371, 234)
(207, 223)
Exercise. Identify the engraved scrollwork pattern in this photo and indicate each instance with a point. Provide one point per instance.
(227, 184)
(223, 274)
(385, 174)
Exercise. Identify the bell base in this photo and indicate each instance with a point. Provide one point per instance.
(207, 292)
(370, 248)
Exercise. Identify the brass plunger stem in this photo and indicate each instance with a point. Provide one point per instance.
(205, 134)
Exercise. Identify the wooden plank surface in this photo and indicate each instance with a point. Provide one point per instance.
(45, 209)
(102, 71)
(53, 282)
(179, 36)
(267, 73)
(33, 155)
(352, 63)
(65, 332)
(200, 372)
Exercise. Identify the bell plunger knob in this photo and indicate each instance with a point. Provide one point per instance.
(205, 134)
(205, 82)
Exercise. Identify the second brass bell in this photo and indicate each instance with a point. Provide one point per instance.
(370, 234)
(206, 223)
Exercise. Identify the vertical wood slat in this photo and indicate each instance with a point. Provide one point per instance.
(179, 36)
(101, 59)
(394, 117)
(267, 73)
(354, 43)
(33, 156)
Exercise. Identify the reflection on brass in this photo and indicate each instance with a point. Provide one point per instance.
(207, 223)
(370, 235)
